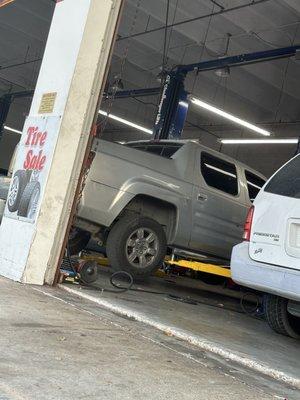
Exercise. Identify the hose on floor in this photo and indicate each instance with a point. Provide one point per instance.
(256, 309)
(120, 287)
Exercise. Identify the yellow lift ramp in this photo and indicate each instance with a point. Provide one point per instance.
(220, 270)
(178, 261)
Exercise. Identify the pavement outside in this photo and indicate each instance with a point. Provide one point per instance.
(56, 346)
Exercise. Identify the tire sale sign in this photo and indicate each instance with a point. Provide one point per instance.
(32, 166)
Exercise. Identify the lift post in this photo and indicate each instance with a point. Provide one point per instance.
(173, 107)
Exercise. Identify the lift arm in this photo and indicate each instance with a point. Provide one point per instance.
(241, 60)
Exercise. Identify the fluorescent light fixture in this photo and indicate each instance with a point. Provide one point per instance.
(7, 128)
(231, 117)
(260, 141)
(126, 122)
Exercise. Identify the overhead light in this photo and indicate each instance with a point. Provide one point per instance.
(231, 117)
(117, 84)
(7, 128)
(126, 122)
(223, 72)
(260, 141)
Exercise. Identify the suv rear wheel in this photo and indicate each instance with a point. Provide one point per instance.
(278, 317)
(136, 245)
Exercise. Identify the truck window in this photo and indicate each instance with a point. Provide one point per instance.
(164, 150)
(219, 174)
(254, 184)
(154, 150)
(169, 151)
(286, 182)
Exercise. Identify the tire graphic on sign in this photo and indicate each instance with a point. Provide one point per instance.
(30, 200)
(19, 182)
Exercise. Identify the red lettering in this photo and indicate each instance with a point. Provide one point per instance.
(43, 138)
(35, 137)
(42, 163)
(30, 132)
(34, 161)
(27, 160)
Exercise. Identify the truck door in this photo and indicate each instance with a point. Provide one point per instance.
(219, 208)
(275, 236)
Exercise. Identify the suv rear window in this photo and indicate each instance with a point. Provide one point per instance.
(254, 184)
(287, 180)
(219, 174)
(161, 149)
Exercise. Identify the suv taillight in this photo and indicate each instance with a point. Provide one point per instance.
(248, 224)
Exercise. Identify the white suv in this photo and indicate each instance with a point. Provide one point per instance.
(269, 258)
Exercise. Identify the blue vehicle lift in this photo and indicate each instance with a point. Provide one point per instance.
(173, 106)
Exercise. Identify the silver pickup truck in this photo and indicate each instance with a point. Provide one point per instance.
(144, 197)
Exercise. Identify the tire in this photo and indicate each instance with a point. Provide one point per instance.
(278, 317)
(136, 253)
(30, 200)
(14, 196)
(89, 272)
(78, 240)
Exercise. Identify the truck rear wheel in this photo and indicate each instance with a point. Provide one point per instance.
(136, 245)
(278, 317)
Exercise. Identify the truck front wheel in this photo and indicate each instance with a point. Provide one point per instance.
(136, 245)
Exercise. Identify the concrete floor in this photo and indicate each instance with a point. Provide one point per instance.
(56, 346)
(215, 323)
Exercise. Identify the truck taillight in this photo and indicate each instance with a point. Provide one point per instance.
(248, 224)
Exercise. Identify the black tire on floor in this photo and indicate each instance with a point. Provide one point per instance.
(278, 317)
(89, 272)
(20, 180)
(29, 200)
(117, 246)
(78, 241)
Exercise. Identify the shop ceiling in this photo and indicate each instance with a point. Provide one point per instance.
(263, 93)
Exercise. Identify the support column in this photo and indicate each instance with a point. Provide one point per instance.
(55, 138)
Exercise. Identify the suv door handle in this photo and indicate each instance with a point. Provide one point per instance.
(201, 197)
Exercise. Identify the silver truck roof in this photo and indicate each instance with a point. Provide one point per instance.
(164, 141)
(197, 143)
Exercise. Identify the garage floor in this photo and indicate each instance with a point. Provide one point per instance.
(213, 322)
(55, 345)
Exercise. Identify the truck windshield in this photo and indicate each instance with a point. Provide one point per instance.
(287, 180)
